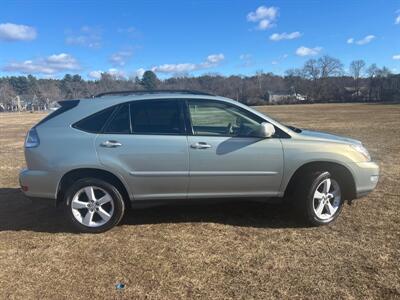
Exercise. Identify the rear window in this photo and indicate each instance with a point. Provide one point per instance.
(157, 117)
(95, 122)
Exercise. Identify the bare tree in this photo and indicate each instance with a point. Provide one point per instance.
(7, 94)
(312, 72)
(311, 69)
(330, 66)
(356, 69)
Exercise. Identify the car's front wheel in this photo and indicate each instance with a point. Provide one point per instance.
(320, 198)
(93, 205)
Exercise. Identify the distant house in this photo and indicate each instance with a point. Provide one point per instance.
(353, 92)
(277, 97)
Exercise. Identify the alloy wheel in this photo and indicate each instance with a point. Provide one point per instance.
(92, 206)
(326, 199)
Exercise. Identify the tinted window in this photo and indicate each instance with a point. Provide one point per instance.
(120, 121)
(157, 117)
(95, 122)
(214, 118)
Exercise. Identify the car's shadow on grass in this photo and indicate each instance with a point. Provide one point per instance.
(18, 213)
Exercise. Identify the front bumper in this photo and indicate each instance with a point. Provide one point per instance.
(366, 175)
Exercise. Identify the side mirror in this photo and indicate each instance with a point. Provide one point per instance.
(266, 130)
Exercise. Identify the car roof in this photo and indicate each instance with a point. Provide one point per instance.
(116, 99)
(141, 92)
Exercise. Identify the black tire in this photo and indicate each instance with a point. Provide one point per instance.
(117, 202)
(303, 198)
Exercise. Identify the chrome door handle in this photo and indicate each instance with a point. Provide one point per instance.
(111, 144)
(200, 145)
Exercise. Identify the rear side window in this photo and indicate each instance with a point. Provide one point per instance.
(157, 117)
(120, 122)
(95, 122)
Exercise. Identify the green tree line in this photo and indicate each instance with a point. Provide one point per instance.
(318, 80)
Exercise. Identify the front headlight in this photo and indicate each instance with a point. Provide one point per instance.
(361, 149)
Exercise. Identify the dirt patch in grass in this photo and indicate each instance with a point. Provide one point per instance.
(237, 250)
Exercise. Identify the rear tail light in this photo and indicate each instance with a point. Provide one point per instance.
(32, 139)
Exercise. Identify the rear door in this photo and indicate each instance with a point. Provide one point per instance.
(146, 141)
(225, 157)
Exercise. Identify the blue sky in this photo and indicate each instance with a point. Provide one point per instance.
(51, 38)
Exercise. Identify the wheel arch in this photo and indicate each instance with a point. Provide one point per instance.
(338, 169)
(80, 173)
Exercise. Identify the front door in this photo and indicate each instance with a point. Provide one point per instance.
(225, 157)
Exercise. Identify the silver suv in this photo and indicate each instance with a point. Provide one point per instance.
(96, 157)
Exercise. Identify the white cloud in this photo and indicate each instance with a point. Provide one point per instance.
(211, 61)
(87, 37)
(261, 13)
(285, 36)
(95, 74)
(396, 57)
(397, 20)
(117, 74)
(304, 51)
(139, 72)
(175, 68)
(264, 16)
(120, 58)
(265, 24)
(367, 39)
(49, 65)
(15, 32)
(215, 58)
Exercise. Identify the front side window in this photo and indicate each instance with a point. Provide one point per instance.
(119, 123)
(221, 119)
(157, 117)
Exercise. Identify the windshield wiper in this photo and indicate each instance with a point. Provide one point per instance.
(295, 129)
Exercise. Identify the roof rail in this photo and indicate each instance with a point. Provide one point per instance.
(140, 92)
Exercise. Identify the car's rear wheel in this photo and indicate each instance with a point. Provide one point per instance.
(93, 205)
(320, 198)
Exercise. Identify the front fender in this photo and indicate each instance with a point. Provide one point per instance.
(297, 154)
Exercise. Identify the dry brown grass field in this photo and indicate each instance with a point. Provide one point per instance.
(221, 251)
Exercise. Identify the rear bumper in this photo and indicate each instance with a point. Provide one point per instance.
(37, 184)
(366, 175)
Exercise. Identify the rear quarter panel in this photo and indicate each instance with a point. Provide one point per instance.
(61, 149)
